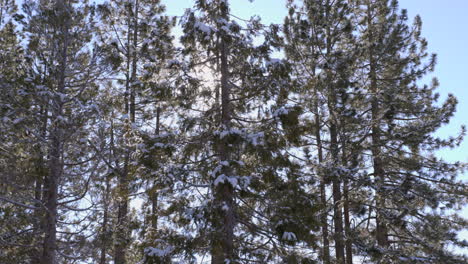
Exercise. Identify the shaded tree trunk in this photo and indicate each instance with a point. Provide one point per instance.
(132, 60)
(38, 189)
(379, 174)
(105, 223)
(223, 241)
(337, 200)
(323, 194)
(347, 223)
(154, 194)
(55, 165)
(334, 148)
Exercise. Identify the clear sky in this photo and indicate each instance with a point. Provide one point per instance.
(445, 26)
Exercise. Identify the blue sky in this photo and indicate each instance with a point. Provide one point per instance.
(444, 26)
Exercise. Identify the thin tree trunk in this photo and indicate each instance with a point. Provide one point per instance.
(223, 241)
(121, 243)
(154, 194)
(121, 246)
(379, 174)
(50, 197)
(38, 189)
(347, 223)
(336, 182)
(38, 215)
(337, 200)
(323, 194)
(105, 224)
(133, 79)
(51, 181)
(349, 242)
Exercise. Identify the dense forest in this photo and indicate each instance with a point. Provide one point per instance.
(235, 141)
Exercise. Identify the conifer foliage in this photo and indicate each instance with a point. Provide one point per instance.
(235, 141)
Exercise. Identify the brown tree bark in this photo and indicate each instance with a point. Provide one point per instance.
(55, 166)
(38, 189)
(337, 200)
(379, 173)
(323, 195)
(105, 224)
(224, 220)
(334, 148)
(154, 194)
(132, 60)
(347, 221)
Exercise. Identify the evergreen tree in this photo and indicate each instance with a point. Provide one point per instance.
(319, 42)
(411, 189)
(17, 157)
(246, 128)
(52, 106)
(117, 146)
(137, 39)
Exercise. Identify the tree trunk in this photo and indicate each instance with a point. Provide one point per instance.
(379, 174)
(55, 165)
(224, 222)
(337, 200)
(154, 194)
(38, 189)
(323, 194)
(347, 223)
(50, 197)
(334, 148)
(122, 243)
(38, 216)
(134, 55)
(105, 224)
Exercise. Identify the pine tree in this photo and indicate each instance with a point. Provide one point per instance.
(17, 158)
(117, 146)
(208, 31)
(52, 105)
(137, 39)
(411, 188)
(319, 42)
(246, 128)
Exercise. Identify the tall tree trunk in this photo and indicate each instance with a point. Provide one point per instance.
(51, 194)
(379, 174)
(134, 55)
(337, 199)
(347, 223)
(105, 223)
(323, 194)
(349, 242)
(154, 194)
(38, 215)
(122, 239)
(38, 188)
(334, 148)
(55, 165)
(223, 241)
(132, 60)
